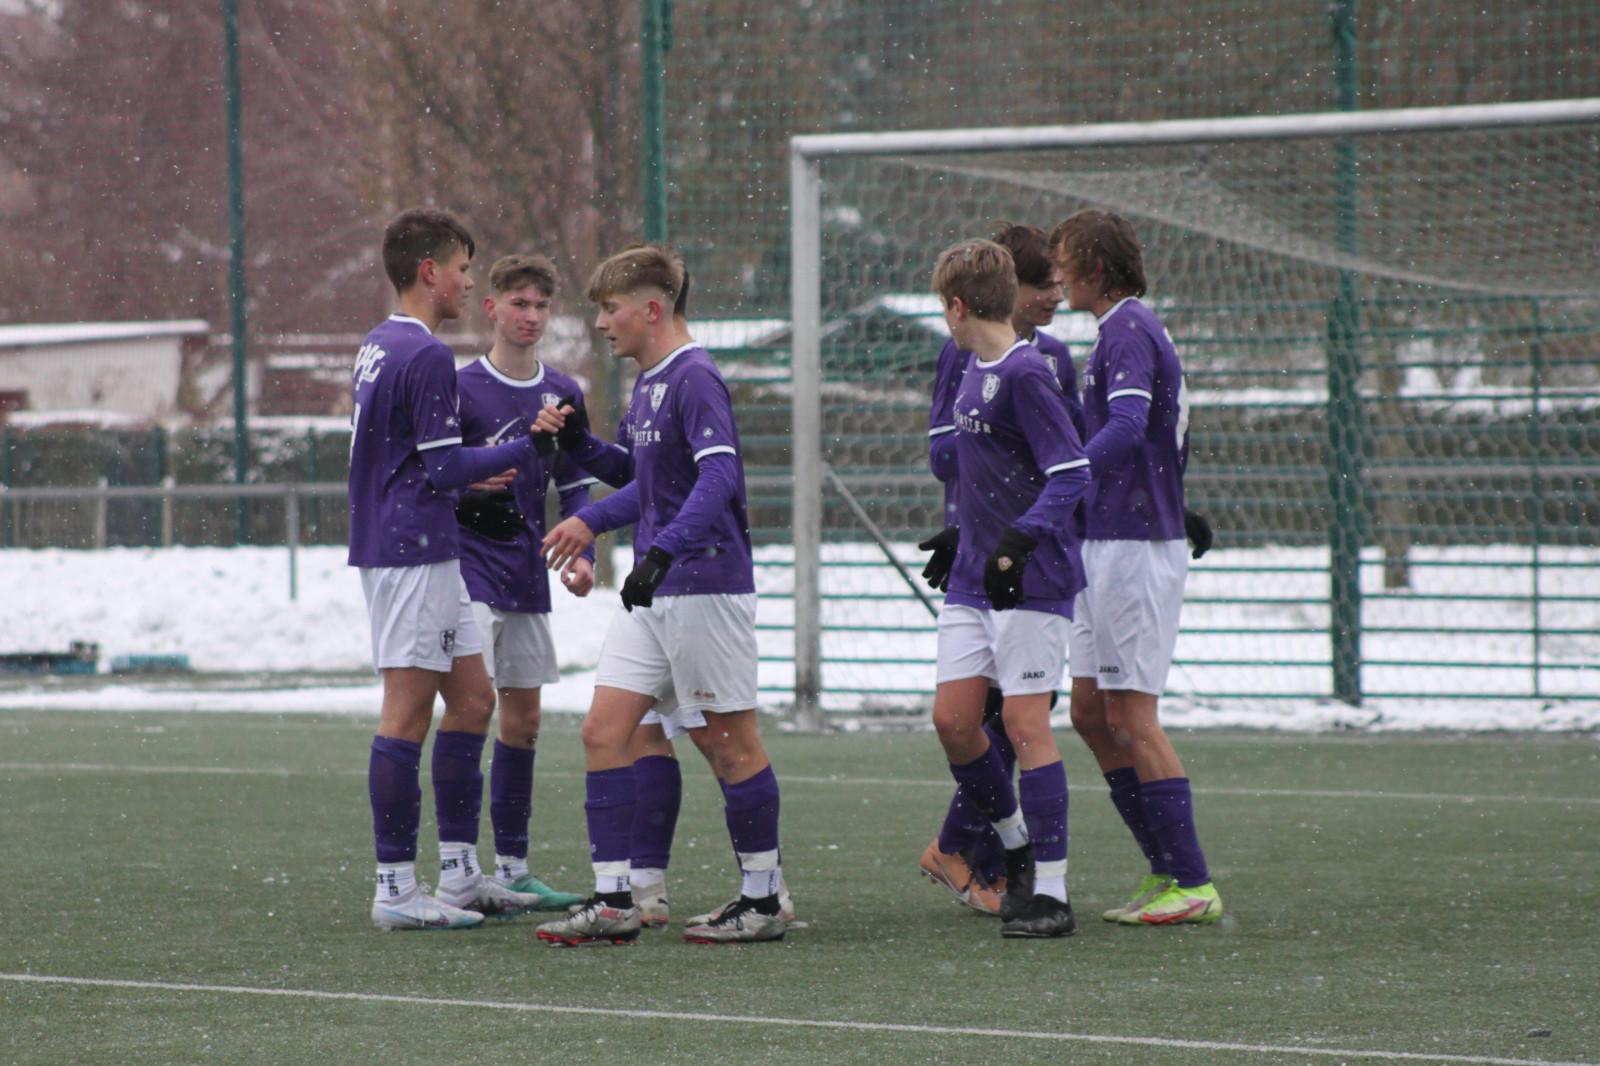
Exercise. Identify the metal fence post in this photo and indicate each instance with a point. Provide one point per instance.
(291, 537)
(166, 510)
(805, 218)
(1344, 399)
(100, 501)
(1536, 488)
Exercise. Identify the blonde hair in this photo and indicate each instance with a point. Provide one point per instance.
(982, 274)
(644, 266)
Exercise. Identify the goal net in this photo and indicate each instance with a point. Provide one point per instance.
(1390, 325)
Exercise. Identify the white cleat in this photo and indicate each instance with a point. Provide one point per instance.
(785, 908)
(654, 910)
(420, 910)
(596, 922)
(489, 897)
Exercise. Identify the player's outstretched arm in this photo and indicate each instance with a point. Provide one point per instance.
(569, 424)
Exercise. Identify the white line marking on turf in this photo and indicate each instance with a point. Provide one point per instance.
(226, 771)
(1312, 792)
(798, 1023)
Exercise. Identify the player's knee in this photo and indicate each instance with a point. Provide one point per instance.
(600, 736)
(1088, 716)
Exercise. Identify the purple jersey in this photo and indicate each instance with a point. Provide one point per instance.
(681, 413)
(1139, 495)
(1014, 432)
(495, 408)
(941, 415)
(405, 403)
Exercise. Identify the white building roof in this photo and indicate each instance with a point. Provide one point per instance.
(30, 336)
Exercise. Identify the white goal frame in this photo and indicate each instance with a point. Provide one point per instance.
(805, 156)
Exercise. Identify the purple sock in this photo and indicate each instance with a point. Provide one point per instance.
(396, 798)
(613, 794)
(457, 785)
(1044, 809)
(1125, 794)
(1169, 812)
(753, 812)
(965, 827)
(655, 818)
(986, 784)
(510, 798)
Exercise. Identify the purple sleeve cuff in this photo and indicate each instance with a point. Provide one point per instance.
(1120, 435)
(942, 455)
(714, 485)
(1052, 511)
(451, 466)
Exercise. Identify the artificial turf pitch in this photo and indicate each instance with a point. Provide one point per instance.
(1389, 898)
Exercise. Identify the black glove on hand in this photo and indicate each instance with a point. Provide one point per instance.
(576, 428)
(543, 443)
(492, 514)
(639, 590)
(1198, 530)
(1002, 572)
(943, 546)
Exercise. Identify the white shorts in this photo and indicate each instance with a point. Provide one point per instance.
(421, 615)
(1125, 624)
(673, 720)
(700, 649)
(518, 650)
(1023, 651)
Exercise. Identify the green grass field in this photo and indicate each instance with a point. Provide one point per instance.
(1411, 898)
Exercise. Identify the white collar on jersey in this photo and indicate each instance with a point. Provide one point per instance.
(515, 383)
(997, 362)
(1114, 309)
(413, 321)
(659, 367)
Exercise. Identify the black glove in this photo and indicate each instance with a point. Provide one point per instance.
(639, 590)
(576, 428)
(943, 546)
(543, 443)
(1002, 572)
(1198, 530)
(492, 514)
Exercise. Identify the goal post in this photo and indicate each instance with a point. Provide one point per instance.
(1205, 207)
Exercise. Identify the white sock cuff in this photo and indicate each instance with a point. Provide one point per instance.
(1013, 833)
(639, 876)
(1056, 868)
(755, 861)
(611, 869)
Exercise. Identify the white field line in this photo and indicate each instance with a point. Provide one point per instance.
(1316, 793)
(797, 1023)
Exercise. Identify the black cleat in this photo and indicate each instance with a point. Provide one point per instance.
(1019, 882)
(1044, 916)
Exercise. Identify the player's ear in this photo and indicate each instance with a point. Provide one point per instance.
(488, 308)
(428, 272)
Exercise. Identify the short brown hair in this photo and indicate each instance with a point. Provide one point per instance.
(418, 234)
(1030, 250)
(982, 274)
(520, 271)
(642, 266)
(1102, 243)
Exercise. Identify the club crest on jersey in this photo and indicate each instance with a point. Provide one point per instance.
(447, 641)
(658, 392)
(1055, 368)
(991, 385)
(550, 399)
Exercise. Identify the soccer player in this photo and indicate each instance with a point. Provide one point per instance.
(1011, 582)
(406, 461)
(1126, 622)
(501, 396)
(687, 630)
(966, 857)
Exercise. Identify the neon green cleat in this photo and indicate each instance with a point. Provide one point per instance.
(1151, 887)
(549, 898)
(1178, 906)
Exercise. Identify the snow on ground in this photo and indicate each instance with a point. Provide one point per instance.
(254, 649)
